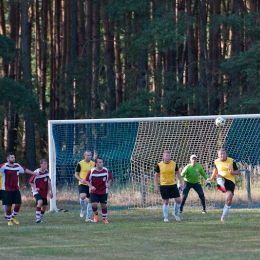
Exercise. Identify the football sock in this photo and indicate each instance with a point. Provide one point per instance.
(9, 215)
(95, 210)
(42, 213)
(104, 213)
(89, 210)
(15, 211)
(165, 210)
(176, 208)
(4, 210)
(82, 204)
(225, 210)
(220, 182)
(38, 213)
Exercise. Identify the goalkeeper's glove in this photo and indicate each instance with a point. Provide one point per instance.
(208, 184)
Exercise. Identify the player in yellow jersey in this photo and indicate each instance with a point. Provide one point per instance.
(225, 171)
(81, 171)
(167, 170)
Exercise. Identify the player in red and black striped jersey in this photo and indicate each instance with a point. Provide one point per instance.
(10, 187)
(99, 180)
(41, 184)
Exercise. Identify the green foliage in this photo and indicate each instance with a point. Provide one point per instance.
(7, 49)
(143, 105)
(162, 30)
(248, 66)
(15, 97)
(175, 97)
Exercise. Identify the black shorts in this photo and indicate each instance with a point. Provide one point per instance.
(84, 189)
(98, 198)
(39, 197)
(0, 194)
(11, 197)
(229, 185)
(169, 191)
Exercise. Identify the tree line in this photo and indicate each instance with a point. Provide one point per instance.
(69, 59)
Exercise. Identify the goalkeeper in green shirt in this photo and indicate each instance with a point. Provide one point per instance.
(191, 174)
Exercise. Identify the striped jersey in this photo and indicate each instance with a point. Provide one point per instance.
(99, 179)
(10, 176)
(41, 181)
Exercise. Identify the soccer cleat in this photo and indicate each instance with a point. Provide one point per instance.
(221, 188)
(222, 219)
(105, 221)
(10, 223)
(82, 212)
(176, 217)
(15, 221)
(166, 220)
(180, 211)
(88, 220)
(203, 211)
(96, 218)
(39, 221)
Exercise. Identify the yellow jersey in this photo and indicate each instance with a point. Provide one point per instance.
(222, 167)
(83, 168)
(167, 173)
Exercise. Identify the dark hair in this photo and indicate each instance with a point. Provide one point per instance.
(43, 160)
(98, 158)
(8, 154)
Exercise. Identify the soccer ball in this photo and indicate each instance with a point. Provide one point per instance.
(220, 121)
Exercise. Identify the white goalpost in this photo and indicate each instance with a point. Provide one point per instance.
(131, 147)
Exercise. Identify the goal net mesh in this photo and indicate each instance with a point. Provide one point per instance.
(131, 149)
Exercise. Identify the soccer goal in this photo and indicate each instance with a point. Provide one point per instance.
(131, 147)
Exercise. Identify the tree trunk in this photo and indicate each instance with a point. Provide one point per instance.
(235, 50)
(118, 70)
(30, 150)
(109, 60)
(88, 58)
(96, 56)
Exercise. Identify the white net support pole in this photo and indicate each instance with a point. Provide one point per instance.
(52, 167)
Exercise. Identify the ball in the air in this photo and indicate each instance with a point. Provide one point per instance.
(220, 121)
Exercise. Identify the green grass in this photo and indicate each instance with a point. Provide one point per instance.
(133, 234)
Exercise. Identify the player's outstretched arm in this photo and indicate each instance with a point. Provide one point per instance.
(214, 174)
(30, 172)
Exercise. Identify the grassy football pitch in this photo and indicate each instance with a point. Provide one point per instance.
(133, 234)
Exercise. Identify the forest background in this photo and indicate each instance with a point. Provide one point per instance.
(75, 59)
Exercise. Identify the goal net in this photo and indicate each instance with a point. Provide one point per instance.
(131, 147)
